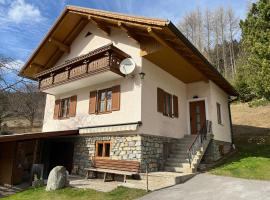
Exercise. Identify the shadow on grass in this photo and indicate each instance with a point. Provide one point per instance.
(252, 159)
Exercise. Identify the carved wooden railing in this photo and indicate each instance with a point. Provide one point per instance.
(199, 140)
(97, 61)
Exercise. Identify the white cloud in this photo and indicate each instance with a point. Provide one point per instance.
(20, 11)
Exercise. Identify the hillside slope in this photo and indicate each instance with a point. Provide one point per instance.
(251, 122)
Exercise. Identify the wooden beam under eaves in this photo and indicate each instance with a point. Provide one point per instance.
(165, 43)
(60, 45)
(104, 29)
(128, 32)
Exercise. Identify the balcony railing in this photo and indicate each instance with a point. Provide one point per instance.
(106, 58)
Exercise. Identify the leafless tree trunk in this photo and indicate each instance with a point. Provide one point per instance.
(233, 26)
(208, 30)
(222, 24)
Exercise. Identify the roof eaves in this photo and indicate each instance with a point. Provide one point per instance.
(176, 31)
(59, 19)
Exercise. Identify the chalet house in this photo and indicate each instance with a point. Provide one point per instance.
(166, 113)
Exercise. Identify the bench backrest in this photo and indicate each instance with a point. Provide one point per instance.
(121, 165)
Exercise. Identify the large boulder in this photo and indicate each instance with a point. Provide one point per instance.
(58, 178)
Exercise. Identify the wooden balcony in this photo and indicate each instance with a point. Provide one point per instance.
(101, 60)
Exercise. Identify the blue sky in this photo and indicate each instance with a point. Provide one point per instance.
(23, 23)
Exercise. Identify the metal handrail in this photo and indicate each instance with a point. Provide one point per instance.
(198, 140)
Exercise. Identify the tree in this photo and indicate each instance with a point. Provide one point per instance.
(256, 46)
(4, 108)
(233, 23)
(9, 69)
(28, 102)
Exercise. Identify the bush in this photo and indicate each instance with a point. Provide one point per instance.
(5, 132)
(245, 92)
(258, 102)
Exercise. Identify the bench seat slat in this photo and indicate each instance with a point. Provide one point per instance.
(110, 171)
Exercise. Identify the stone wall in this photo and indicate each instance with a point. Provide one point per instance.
(216, 150)
(143, 148)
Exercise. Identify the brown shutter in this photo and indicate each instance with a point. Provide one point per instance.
(175, 106)
(116, 98)
(93, 102)
(72, 106)
(160, 100)
(56, 109)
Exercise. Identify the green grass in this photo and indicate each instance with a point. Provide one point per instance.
(120, 193)
(251, 162)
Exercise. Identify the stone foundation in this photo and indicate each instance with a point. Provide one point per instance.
(216, 150)
(151, 150)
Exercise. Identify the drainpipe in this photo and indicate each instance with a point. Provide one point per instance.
(230, 117)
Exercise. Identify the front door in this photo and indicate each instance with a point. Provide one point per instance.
(197, 116)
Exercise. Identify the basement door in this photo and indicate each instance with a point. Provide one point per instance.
(197, 116)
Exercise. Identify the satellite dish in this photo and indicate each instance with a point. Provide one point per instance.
(127, 66)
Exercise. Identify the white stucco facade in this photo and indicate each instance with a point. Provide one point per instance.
(138, 98)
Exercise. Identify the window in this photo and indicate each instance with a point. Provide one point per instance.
(103, 149)
(105, 101)
(167, 104)
(219, 119)
(64, 108)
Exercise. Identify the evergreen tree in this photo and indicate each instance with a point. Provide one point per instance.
(255, 68)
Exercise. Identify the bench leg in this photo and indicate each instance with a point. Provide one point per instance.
(87, 174)
(125, 178)
(104, 179)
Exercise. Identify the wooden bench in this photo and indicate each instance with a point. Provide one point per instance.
(108, 166)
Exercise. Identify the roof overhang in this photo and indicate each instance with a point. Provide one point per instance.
(73, 19)
(37, 135)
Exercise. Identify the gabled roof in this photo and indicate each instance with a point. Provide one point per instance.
(73, 19)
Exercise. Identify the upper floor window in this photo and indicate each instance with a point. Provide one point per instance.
(65, 108)
(219, 117)
(167, 103)
(104, 101)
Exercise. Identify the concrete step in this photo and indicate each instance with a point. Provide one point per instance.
(175, 169)
(179, 159)
(177, 164)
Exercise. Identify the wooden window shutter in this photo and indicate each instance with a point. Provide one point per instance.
(175, 106)
(72, 106)
(56, 109)
(116, 98)
(93, 102)
(160, 100)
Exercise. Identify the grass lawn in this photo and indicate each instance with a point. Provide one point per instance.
(77, 194)
(251, 161)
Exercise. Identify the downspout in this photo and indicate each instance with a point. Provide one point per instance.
(230, 118)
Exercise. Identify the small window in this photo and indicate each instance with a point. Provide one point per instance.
(64, 108)
(105, 101)
(167, 104)
(219, 119)
(103, 149)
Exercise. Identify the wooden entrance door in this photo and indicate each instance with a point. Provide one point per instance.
(197, 116)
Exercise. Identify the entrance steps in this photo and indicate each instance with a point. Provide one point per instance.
(178, 160)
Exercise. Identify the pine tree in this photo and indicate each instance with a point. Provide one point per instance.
(256, 47)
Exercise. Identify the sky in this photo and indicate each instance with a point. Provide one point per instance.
(23, 23)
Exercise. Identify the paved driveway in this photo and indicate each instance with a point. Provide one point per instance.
(210, 187)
